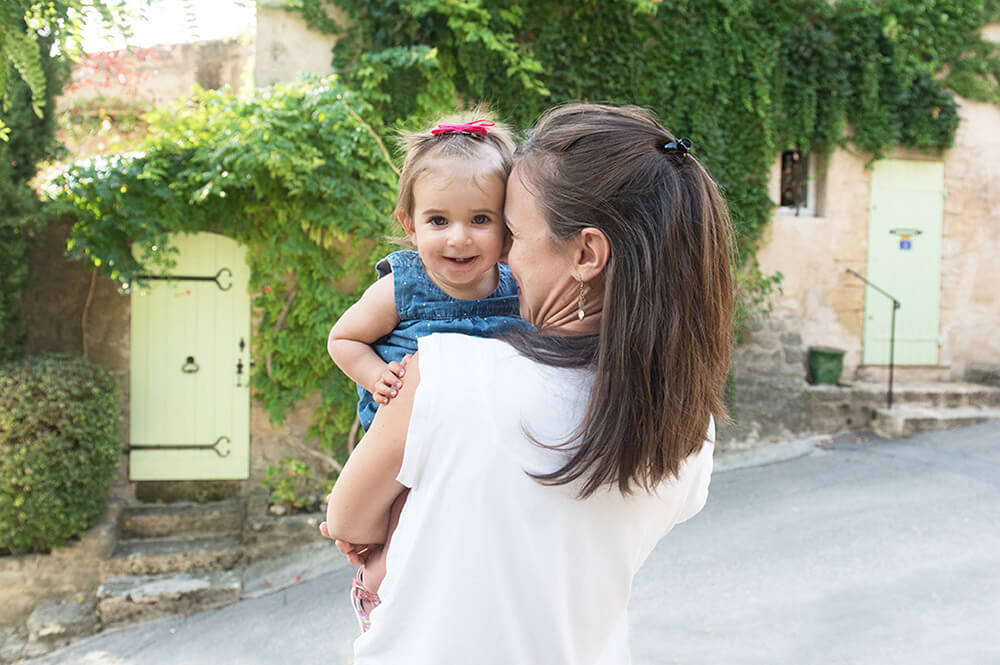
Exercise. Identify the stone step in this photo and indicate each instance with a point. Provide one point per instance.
(905, 420)
(157, 520)
(130, 598)
(56, 623)
(903, 373)
(949, 395)
(149, 556)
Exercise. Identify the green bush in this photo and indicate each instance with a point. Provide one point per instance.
(60, 433)
(294, 485)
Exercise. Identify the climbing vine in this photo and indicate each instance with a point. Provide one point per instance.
(31, 139)
(296, 174)
(745, 79)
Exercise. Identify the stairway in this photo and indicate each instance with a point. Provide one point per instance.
(931, 406)
(175, 558)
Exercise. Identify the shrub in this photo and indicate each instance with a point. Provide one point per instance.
(60, 433)
(295, 486)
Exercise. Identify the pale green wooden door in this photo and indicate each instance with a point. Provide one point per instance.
(189, 398)
(904, 259)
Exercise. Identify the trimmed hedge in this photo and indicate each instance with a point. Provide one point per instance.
(60, 434)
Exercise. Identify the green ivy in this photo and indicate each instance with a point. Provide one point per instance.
(745, 79)
(295, 174)
(32, 139)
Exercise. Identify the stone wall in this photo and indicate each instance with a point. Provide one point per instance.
(770, 398)
(768, 385)
(29, 579)
(813, 254)
(286, 47)
(161, 73)
(53, 311)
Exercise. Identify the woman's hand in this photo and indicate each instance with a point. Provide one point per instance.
(388, 384)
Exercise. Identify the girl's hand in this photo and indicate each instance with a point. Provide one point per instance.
(356, 554)
(387, 386)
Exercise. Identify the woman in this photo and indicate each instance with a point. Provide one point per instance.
(543, 468)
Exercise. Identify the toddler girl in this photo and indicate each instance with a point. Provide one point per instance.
(450, 205)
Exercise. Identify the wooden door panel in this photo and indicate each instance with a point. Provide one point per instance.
(175, 411)
(904, 259)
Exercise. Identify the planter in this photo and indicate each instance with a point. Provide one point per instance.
(825, 364)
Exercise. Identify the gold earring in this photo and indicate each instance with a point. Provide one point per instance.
(579, 301)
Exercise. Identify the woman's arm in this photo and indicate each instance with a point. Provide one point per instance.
(358, 508)
(370, 318)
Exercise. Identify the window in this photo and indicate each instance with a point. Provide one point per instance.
(798, 184)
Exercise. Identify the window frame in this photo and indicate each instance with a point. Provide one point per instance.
(809, 209)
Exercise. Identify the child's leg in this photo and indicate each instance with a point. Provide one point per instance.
(373, 571)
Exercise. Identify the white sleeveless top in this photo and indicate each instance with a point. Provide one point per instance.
(487, 565)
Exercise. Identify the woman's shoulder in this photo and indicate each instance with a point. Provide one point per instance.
(465, 349)
(517, 385)
(489, 360)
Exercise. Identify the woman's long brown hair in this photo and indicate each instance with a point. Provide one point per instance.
(663, 351)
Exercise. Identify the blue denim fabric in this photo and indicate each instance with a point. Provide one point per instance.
(424, 309)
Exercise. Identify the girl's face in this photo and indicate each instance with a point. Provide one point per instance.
(458, 227)
(543, 270)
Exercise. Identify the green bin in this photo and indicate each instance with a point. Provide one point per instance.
(825, 364)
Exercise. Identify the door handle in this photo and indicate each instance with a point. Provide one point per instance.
(190, 366)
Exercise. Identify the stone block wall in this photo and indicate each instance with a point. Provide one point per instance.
(768, 385)
(27, 580)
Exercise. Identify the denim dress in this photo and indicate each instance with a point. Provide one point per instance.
(424, 308)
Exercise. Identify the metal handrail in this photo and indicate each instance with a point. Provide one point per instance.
(892, 329)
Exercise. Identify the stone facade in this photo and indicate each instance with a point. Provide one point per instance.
(768, 384)
(813, 252)
(286, 47)
(162, 73)
(27, 580)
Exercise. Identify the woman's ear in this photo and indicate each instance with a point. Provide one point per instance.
(591, 253)
(505, 252)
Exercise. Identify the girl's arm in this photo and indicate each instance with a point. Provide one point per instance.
(359, 507)
(370, 318)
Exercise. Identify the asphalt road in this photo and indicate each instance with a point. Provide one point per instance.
(861, 551)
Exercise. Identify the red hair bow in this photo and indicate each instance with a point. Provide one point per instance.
(475, 127)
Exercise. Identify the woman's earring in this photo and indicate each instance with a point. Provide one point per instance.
(579, 302)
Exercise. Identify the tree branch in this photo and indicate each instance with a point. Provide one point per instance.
(385, 153)
(337, 466)
(86, 309)
(280, 323)
(352, 437)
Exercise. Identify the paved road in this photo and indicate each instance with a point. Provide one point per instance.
(863, 551)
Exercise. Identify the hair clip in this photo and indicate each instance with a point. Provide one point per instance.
(476, 127)
(681, 146)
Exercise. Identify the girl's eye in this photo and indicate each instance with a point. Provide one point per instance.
(437, 220)
(481, 219)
